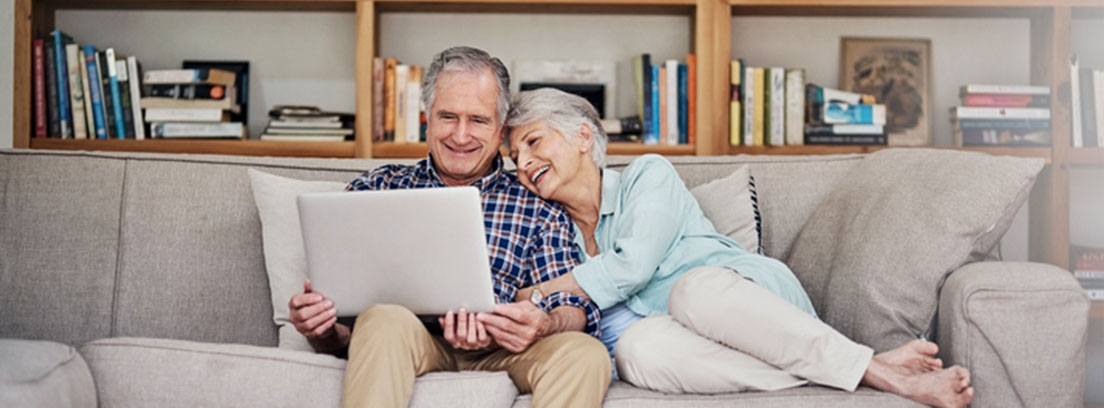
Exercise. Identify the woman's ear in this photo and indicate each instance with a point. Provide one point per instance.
(586, 137)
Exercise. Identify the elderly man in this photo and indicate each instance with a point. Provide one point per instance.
(546, 342)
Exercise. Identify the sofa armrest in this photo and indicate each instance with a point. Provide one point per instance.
(39, 373)
(1020, 329)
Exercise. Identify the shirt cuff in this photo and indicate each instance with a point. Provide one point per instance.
(593, 315)
(597, 284)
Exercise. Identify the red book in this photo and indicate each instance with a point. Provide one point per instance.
(1012, 101)
(39, 89)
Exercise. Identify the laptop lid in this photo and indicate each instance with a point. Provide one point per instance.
(424, 249)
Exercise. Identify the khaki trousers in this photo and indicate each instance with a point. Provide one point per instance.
(728, 334)
(390, 347)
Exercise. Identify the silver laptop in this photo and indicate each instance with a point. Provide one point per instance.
(424, 249)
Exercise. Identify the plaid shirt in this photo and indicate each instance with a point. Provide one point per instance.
(529, 240)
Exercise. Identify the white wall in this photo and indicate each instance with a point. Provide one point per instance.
(7, 42)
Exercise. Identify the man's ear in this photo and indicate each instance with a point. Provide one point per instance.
(586, 137)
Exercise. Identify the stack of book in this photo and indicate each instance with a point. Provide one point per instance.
(191, 103)
(838, 117)
(1088, 267)
(665, 99)
(766, 105)
(82, 92)
(397, 112)
(1087, 86)
(1002, 115)
(307, 124)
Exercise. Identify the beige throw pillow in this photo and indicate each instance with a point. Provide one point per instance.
(282, 238)
(875, 253)
(731, 204)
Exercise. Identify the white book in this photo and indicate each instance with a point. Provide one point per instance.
(1075, 102)
(197, 130)
(776, 135)
(1098, 92)
(164, 102)
(302, 138)
(295, 131)
(413, 120)
(749, 106)
(1004, 89)
(184, 115)
(795, 106)
(90, 122)
(304, 124)
(670, 68)
(189, 76)
(76, 92)
(1089, 275)
(976, 112)
(402, 72)
(135, 97)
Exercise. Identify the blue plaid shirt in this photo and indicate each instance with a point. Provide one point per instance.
(529, 240)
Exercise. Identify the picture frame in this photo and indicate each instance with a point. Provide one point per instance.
(897, 71)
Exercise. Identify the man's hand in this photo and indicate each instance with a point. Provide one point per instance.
(516, 326)
(463, 331)
(312, 314)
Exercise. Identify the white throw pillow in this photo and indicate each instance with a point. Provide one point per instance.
(282, 238)
(733, 207)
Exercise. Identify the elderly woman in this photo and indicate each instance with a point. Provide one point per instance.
(686, 309)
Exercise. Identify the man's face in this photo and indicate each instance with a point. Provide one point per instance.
(462, 130)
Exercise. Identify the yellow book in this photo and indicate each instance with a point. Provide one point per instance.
(735, 110)
(402, 76)
(760, 118)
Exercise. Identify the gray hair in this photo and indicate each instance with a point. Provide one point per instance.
(467, 59)
(561, 111)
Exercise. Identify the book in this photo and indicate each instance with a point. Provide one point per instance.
(95, 92)
(1098, 112)
(134, 71)
(402, 75)
(819, 94)
(1076, 136)
(671, 102)
(651, 127)
(116, 99)
(302, 138)
(663, 115)
(795, 106)
(307, 131)
(53, 121)
(377, 99)
(683, 100)
(1001, 123)
(973, 112)
(189, 76)
(845, 139)
(777, 124)
(197, 130)
(1089, 274)
(638, 83)
(174, 103)
(105, 94)
(389, 65)
(413, 104)
(61, 67)
(647, 77)
(691, 99)
(190, 91)
(76, 91)
(747, 89)
(735, 99)
(86, 89)
(39, 62)
(1087, 258)
(758, 121)
(239, 92)
(846, 129)
(1088, 108)
(122, 74)
(845, 113)
(1004, 89)
(1094, 288)
(1007, 100)
(1002, 137)
(186, 115)
(305, 124)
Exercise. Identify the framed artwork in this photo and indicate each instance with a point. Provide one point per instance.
(897, 71)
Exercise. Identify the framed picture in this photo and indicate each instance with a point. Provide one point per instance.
(897, 71)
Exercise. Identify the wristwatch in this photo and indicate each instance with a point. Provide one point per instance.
(536, 297)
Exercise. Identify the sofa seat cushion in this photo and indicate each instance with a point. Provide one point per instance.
(622, 394)
(177, 373)
(37, 373)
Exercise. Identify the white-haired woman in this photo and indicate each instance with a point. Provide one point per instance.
(686, 309)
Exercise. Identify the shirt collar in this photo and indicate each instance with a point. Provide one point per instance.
(428, 169)
(611, 190)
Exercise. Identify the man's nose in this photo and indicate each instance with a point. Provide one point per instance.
(462, 130)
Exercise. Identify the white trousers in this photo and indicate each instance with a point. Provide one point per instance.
(728, 334)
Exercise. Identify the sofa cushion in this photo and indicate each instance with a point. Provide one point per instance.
(285, 259)
(622, 394)
(730, 203)
(177, 373)
(43, 374)
(875, 252)
(59, 243)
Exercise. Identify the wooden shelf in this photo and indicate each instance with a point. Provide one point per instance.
(635, 149)
(1086, 156)
(235, 147)
(219, 5)
(796, 150)
(892, 8)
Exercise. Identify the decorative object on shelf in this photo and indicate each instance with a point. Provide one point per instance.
(897, 71)
(594, 80)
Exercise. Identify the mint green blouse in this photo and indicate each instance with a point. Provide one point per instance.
(651, 231)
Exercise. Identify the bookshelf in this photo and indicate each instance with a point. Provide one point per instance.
(709, 33)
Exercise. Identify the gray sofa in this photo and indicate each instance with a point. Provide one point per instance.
(139, 280)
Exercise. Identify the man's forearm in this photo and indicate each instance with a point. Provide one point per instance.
(567, 318)
(333, 344)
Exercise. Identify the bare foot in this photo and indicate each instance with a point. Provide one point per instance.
(946, 388)
(915, 357)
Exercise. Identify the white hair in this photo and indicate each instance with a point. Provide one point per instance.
(561, 111)
(468, 59)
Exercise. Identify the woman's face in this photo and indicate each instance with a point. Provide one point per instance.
(546, 160)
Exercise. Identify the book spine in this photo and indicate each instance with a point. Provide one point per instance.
(135, 75)
(189, 91)
(1004, 89)
(778, 107)
(969, 112)
(95, 91)
(124, 97)
(760, 119)
(184, 115)
(402, 74)
(53, 123)
(795, 106)
(413, 94)
(638, 83)
(61, 68)
(845, 130)
(105, 94)
(649, 112)
(116, 99)
(1003, 124)
(749, 92)
(735, 107)
(86, 89)
(389, 65)
(377, 99)
(1088, 107)
(189, 76)
(218, 130)
(76, 91)
(664, 116)
(1006, 100)
(1098, 112)
(672, 99)
(1003, 137)
(847, 114)
(845, 139)
(1077, 138)
(825, 95)
(1089, 274)
(651, 136)
(39, 88)
(691, 99)
(683, 114)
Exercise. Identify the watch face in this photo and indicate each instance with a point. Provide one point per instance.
(536, 297)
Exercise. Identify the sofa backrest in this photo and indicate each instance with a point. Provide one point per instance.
(99, 245)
